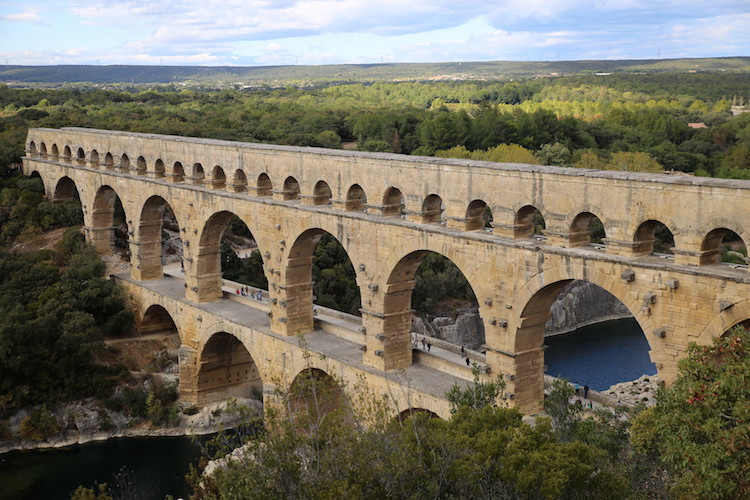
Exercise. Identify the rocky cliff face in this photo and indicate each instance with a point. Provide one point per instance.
(582, 303)
(466, 329)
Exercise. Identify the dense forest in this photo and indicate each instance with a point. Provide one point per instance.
(239, 76)
(650, 122)
(693, 444)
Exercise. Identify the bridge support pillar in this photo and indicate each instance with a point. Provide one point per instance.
(236, 187)
(203, 278)
(524, 375)
(627, 248)
(274, 404)
(101, 238)
(388, 341)
(203, 288)
(147, 251)
(187, 357)
(292, 309)
(147, 260)
(458, 223)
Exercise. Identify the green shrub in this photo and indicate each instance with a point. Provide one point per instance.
(40, 425)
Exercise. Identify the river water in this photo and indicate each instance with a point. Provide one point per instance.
(135, 468)
(599, 355)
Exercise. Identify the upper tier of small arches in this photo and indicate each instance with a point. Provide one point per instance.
(588, 219)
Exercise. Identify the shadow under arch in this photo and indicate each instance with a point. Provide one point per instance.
(65, 190)
(157, 219)
(156, 321)
(528, 222)
(239, 181)
(586, 229)
(478, 216)
(321, 193)
(263, 185)
(291, 189)
(218, 178)
(299, 276)
(432, 210)
(408, 413)
(36, 175)
(653, 236)
(226, 369)
(316, 399)
(393, 202)
(356, 199)
(723, 245)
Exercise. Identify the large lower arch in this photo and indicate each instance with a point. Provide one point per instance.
(526, 344)
(150, 254)
(65, 190)
(226, 369)
(156, 321)
(408, 413)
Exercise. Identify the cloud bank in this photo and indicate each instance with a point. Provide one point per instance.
(266, 32)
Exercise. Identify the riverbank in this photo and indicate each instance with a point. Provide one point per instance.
(84, 418)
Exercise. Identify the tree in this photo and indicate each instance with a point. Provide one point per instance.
(589, 159)
(633, 162)
(554, 154)
(700, 426)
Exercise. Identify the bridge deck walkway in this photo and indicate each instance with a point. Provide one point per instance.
(422, 377)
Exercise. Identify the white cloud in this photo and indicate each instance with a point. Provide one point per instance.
(345, 31)
(29, 16)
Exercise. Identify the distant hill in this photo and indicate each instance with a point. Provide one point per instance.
(270, 75)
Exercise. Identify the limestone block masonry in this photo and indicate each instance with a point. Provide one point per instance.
(388, 211)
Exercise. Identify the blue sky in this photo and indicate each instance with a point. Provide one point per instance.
(279, 32)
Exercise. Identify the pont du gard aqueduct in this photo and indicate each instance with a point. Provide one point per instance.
(388, 212)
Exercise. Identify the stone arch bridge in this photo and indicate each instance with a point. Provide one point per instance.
(388, 211)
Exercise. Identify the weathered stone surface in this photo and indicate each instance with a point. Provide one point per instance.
(514, 274)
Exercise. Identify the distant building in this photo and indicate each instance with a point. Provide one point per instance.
(697, 125)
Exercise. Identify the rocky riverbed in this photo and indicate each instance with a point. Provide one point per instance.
(83, 423)
(641, 390)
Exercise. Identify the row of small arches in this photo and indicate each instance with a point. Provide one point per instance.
(528, 221)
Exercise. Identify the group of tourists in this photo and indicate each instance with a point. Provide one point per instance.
(577, 388)
(253, 294)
